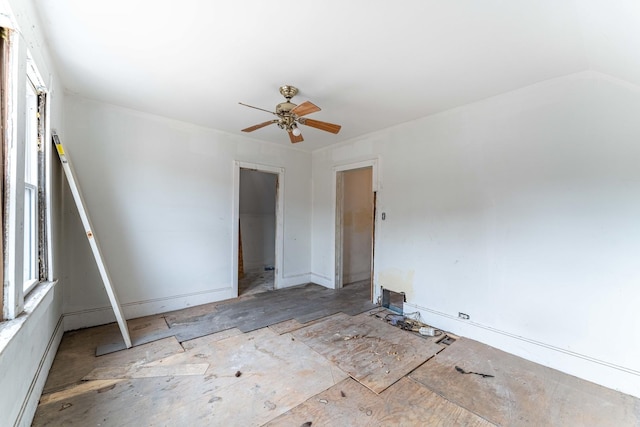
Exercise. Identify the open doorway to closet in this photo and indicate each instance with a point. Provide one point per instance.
(355, 234)
(257, 212)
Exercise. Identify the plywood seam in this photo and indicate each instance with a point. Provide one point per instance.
(449, 400)
(63, 387)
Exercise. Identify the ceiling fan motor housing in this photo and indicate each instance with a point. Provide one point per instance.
(283, 110)
(285, 107)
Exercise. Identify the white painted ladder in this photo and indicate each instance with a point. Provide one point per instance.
(84, 216)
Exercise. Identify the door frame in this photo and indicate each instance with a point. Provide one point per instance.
(279, 172)
(337, 209)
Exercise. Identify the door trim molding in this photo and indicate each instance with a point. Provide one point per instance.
(337, 217)
(279, 171)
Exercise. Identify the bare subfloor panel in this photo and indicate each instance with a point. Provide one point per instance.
(248, 379)
(371, 351)
(77, 350)
(406, 403)
(322, 372)
(303, 303)
(522, 392)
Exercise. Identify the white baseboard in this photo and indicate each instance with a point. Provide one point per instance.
(132, 310)
(357, 277)
(30, 403)
(321, 280)
(88, 318)
(294, 280)
(250, 267)
(601, 372)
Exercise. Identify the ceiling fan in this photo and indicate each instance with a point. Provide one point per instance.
(291, 115)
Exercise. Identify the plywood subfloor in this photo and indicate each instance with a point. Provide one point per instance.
(406, 403)
(371, 351)
(77, 350)
(522, 392)
(303, 303)
(248, 380)
(293, 372)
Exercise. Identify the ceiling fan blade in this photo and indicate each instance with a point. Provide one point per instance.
(294, 138)
(257, 108)
(261, 125)
(328, 127)
(304, 109)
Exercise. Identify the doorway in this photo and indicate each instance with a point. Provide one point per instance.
(257, 225)
(355, 219)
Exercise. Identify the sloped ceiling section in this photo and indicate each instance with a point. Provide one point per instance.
(368, 64)
(611, 36)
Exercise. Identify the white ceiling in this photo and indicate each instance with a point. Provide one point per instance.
(369, 64)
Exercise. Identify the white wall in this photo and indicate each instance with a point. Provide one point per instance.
(257, 209)
(357, 220)
(521, 211)
(28, 344)
(160, 196)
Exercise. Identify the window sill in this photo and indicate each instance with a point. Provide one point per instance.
(29, 286)
(41, 294)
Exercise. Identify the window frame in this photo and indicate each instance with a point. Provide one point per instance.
(32, 183)
(19, 71)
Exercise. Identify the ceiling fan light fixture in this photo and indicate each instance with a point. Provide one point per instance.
(289, 115)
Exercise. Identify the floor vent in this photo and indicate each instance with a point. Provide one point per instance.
(394, 301)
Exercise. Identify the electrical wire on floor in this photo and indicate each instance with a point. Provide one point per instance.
(377, 313)
(414, 316)
(408, 321)
(403, 321)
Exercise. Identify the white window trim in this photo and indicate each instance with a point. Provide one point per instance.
(29, 284)
(21, 68)
(17, 77)
(31, 252)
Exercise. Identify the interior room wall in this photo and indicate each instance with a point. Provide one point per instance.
(28, 344)
(357, 220)
(522, 212)
(257, 208)
(160, 195)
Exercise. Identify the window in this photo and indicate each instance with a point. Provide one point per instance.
(30, 273)
(25, 156)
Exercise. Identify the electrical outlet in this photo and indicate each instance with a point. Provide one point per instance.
(463, 316)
